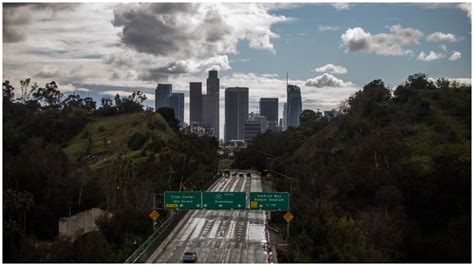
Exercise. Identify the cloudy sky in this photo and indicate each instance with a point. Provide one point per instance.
(329, 50)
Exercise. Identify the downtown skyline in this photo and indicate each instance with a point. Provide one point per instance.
(329, 50)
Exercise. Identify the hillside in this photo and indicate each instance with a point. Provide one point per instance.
(66, 156)
(106, 137)
(386, 180)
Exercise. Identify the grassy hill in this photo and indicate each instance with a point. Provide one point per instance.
(106, 137)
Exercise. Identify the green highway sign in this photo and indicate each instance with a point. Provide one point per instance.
(182, 200)
(224, 200)
(277, 201)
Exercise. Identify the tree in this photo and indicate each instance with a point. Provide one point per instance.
(17, 206)
(137, 97)
(136, 141)
(89, 104)
(91, 247)
(118, 101)
(71, 102)
(107, 107)
(308, 116)
(49, 95)
(346, 242)
(8, 93)
(169, 116)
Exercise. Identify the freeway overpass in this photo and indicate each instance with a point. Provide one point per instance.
(220, 236)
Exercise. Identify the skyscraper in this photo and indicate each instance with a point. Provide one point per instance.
(176, 101)
(213, 91)
(208, 111)
(269, 109)
(195, 103)
(161, 95)
(236, 112)
(253, 125)
(285, 117)
(294, 107)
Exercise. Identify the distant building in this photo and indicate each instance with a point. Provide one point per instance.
(195, 103)
(330, 114)
(285, 117)
(269, 109)
(272, 126)
(294, 106)
(208, 112)
(176, 101)
(233, 146)
(200, 131)
(254, 125)
(236, 112)
(161, 95)
(252, 128)
(213, 92)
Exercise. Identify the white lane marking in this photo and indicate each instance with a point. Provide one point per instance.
(199, 226)
(190, 226)
(233, 186)
(230, 232)
(242, 188)
(213, 232)
(222, 183)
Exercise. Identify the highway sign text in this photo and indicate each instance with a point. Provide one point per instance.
(182, 200)
(224, 200)
(277, 201)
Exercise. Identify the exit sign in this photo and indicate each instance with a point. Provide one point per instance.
(187, 200)
(224, 200)
(277, 201)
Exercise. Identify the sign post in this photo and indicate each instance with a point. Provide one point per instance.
(288, 217)
(154, 214)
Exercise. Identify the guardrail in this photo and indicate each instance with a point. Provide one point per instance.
(146, 249)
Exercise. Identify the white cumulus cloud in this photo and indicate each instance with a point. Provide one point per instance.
(327, 80)
(333, 69)
(465, 7)
(429, 56)
(441, 36)
(455, 56)
(393, 43)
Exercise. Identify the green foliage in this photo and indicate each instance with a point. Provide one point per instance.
(114, 136)
(130, 243)
(91, 247)
(8, 93)
(346, 242)
(169, 116)
(225, 164)
(136, 141)
(65, 156)
(398, 164)
(49, 95)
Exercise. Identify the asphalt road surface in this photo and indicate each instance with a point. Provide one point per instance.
(222, 236)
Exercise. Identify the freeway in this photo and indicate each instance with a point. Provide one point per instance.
(221, 236)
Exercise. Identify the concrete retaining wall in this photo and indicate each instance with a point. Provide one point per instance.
(79, 224)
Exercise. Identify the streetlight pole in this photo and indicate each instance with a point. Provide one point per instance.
(291, 197)
(286, 178)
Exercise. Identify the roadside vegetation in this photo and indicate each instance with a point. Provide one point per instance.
(64, 155)
(387, 180)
